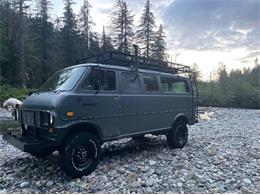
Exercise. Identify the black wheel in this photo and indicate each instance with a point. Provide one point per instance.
(43, 154)
(80, 154)
(178, 136)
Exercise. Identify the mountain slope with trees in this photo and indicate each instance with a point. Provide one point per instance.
(33, 45)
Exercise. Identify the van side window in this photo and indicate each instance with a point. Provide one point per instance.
(172, 85)
(150, 83)
(107, 80)
(91, 81)
(130, 83)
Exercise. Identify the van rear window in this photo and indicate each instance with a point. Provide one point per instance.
(150, 83)
(172, 85)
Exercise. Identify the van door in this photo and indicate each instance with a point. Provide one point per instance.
(101, 100)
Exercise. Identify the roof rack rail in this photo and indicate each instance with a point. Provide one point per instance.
(128, 60)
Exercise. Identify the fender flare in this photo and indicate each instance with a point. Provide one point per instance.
(181, 116)
(93, 128)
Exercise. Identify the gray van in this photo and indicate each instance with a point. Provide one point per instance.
(81, 107)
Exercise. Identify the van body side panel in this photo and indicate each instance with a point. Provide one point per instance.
(149, 112)
(176, 105)
(142, 113)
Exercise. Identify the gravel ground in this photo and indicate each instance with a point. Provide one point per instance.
(5, 115)
(222, 156)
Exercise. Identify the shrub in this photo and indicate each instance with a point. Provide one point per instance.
(7, 91)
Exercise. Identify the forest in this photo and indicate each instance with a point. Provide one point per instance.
(33, 45)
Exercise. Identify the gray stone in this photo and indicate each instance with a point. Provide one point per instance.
(149, 182)
(50, 183)
(152, 162)
(24, 184)
(140, 191)
(247, 181)
(4, 191)
(38, 183)
(149, 190)
(135, 184)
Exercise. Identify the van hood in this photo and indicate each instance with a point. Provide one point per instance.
(40, 101)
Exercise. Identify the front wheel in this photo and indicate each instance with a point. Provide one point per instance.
(80, 154)
(177, 137)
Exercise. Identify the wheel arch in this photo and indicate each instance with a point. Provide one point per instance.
(81, 127)
(181, 117)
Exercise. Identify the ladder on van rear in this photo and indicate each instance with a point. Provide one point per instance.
(136, 62)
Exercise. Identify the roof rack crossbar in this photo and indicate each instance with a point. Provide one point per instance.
(122, 59)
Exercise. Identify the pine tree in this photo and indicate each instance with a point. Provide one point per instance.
(122, 26)
(9, 53)
(44, 35)
(69, 34)
(106, 43)
(159, 46)
(145, 33)
(85, 24)
(196, 71)
(21, 6)
(93, 43)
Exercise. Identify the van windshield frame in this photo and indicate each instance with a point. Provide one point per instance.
(64, 80)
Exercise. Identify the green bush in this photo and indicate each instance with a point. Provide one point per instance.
(7, 91)
(237, 89)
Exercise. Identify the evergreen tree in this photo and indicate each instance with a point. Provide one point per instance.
(8, 51)
(21, 6)
(159, 46)
(122, 26)
(69, 35)
(85, 24)
(106, 43)
(93, 44)
(44, 35)
(145, 33)
(196, 72)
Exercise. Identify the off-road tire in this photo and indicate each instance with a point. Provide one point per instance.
(71, 146)
(177, 137)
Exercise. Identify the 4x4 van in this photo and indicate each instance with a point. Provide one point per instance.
(81, 107)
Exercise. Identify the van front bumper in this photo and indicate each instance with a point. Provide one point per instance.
(27, 143)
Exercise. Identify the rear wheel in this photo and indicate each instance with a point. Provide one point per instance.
(80, 154)
(178, 136)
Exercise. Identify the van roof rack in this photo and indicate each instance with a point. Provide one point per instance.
(128, 60)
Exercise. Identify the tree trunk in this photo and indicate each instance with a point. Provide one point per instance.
(21, 45)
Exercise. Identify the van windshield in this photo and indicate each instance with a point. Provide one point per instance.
(63, 80)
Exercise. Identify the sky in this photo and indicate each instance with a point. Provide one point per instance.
(205, 32)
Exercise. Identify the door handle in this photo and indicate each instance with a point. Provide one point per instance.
(90, 104)
(117, 98)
